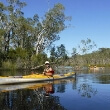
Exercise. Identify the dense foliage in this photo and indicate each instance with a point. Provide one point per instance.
(58, 54)
(23, 40)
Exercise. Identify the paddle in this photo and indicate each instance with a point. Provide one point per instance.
(51, 76)
(37, 67)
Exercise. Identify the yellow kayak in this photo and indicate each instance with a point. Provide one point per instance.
(33, 78)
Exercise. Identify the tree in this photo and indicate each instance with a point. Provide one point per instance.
(58, 54)
(38, 59)
(86, 45)
(53, 54)
(61, 51)
(50, 27)
(8, 20)
(31, 35)
(2, 23)
(80, 55)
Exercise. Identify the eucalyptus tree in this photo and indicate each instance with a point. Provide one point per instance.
(24, 32)
(104, 56)
(2, 23)
(86, 45)
(58, 54)
(74, 56)
(51, 26)
(31, 35)
(12, 12)
(61, 51)
(53, 54)
(80, 55)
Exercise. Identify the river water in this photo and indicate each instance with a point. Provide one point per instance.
(87, 91)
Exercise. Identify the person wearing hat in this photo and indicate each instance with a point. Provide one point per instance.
(48, 70)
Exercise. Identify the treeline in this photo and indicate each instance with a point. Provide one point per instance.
(81, 56)
(23, 40)
(100, 58)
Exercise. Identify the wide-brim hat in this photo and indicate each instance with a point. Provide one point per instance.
(47, 62)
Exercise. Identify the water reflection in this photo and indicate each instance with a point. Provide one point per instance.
(39, 96)
(31, 99)
(87, 90)
(61, 87)
(84, 89)
(83, 92)
(49, 89)
(104, 79)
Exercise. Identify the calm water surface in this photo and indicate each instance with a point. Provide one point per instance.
(88, 91)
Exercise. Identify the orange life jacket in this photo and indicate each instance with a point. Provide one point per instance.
(51, 72)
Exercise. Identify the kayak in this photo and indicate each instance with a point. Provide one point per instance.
(33, 85)
(33, 78)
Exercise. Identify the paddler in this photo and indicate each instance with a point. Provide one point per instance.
(48, 69)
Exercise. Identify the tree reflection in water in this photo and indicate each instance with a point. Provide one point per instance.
(87, 90)
(30, 99)
(61, 87)
(39, 97)
(104, 79)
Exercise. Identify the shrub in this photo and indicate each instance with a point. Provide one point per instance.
(8, 65)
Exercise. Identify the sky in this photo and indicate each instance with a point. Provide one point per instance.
(90, 19)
